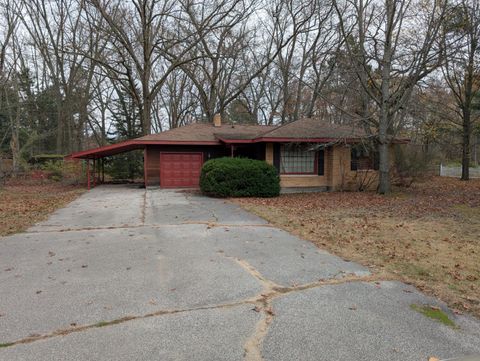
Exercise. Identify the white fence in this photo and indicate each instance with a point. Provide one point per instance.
(446, 171)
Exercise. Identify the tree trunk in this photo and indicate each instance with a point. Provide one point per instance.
(385, 113)
(146, 116)
(15, 143)
(466, 145)
(60, 128)
(384, 168)
(15, 148)
(15, 126)
(475, 150)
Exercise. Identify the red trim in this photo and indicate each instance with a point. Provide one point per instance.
(287, 140)
(161, 153)
(177, 142)
(128, 145)
(303, 140)
(307, 140)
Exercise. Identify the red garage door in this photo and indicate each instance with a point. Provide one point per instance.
(179, 170)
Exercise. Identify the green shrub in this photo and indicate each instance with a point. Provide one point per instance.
(66, 171)
(126, 166)
(239, 177)
(54, 169)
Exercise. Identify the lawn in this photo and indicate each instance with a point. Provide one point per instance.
(24, 203)
(427, 235)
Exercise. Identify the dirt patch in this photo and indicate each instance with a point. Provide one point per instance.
(24, 203)
(427, 235)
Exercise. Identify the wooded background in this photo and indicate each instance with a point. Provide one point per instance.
(82, 73)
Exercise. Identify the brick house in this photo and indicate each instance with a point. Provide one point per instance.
(309, 154)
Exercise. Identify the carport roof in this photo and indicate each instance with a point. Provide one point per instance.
(127, 146)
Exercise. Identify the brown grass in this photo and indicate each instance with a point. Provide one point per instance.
(427, 235)
(25, 203)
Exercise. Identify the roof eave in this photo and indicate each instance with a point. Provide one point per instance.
(290, 140)
(309, 140)
(129, 145)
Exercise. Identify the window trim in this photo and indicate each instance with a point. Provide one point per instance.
(315, 165)
(355, 161)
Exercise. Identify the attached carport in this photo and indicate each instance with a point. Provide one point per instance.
(169, 164)
(95, 155)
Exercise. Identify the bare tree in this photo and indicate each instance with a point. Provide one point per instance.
(462, 69)
(177, 104)
(149, 40)
(9, 79)
(54, 28)
(101, 97)
(235, 56)
(306, 68)
(393, 46)
(218, 70)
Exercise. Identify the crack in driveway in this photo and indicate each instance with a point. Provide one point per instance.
(261, 303)
(271, 290)
(75, 329)
(209, 224)
(189, 198)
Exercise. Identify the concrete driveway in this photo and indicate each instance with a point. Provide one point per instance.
(128, 274)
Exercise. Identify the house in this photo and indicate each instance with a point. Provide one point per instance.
(309, 154)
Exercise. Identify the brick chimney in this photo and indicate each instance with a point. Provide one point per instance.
(217, 120)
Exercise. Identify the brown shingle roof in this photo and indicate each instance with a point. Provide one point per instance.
(307, 128)
(201, 132)
(311, 128)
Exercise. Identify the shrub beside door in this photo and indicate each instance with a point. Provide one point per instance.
(239, 177)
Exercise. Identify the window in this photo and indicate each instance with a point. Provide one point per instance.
(363, 158)
(297, 159)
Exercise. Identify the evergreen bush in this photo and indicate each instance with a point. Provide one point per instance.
(239, 177)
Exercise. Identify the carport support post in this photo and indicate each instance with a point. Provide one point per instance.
(103, 170)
